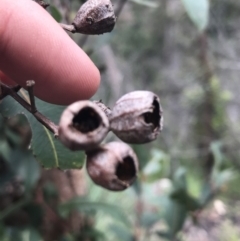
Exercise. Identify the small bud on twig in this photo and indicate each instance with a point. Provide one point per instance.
(95, 17)
(137, 117)
(113, 166)
(83, 125)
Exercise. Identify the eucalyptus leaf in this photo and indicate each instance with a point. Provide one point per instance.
(25, 166)
(179, 179)
(183, 198)
(215, 148)
(35, 214)
(175, 215)
(223, 177)
(198, 11)
(34, 235)
(48, 150)
(157, 167)
(164, 235)
(24, 235)
(206, 195)
(121, 233)
(149, 219)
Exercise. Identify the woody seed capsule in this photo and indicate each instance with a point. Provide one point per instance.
(95, 17)
(113, 166)
(83, 125)
(137, 117)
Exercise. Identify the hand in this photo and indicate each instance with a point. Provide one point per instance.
(34, 47)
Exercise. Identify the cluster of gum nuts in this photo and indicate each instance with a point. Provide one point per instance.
(136, 118)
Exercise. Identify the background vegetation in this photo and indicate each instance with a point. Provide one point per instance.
(188, 53)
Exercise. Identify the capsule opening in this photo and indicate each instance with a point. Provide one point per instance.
(154, 116)
(126, 170)
(86, 120)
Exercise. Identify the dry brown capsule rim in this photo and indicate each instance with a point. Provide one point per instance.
(156, 110)
(155, 101)
(113, 166)
(137, 117)
(83, 125)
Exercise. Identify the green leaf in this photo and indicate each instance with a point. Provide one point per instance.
(25, 166)
(121, 233)
(215, 148)
(198, 11)
(34, 235)
(223, 177)
(149, 219)
(164, 235)
(24, 235)
(82, 205)
(137, 187)
(183, 198)
(157, 167)
(35, 213)
(142, 152)
(179, 179)
(48, 150)
(50, 192)
(175, 215)
(3, 233)
(55, 13)
(206, 195)
(5, 149)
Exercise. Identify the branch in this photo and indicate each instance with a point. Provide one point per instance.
(120, 7)
(6, 90)
(69, 28)
(42, 3)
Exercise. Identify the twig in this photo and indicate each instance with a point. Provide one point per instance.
(4, 93)
(30, 84)
(120, 7)
(32, 109)
(69, 28)
(42, 3)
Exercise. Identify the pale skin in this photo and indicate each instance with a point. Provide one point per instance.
(33, 46)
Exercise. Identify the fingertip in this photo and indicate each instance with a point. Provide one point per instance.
(6, 80)
(93, 83)
(34, 47)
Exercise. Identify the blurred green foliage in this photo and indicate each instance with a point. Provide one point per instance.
(155, 47)
(47, 149)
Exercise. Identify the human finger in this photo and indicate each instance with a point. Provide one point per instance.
(34, 47)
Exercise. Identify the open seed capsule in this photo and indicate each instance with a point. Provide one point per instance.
(83, 125)
(113, 166)
(137, 117)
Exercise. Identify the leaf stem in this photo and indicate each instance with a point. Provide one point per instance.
(42, 3)
(30, 84)
(69, 28)
(4, 90)
(29, 107)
